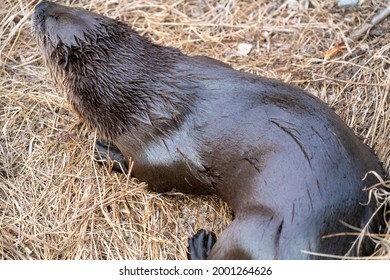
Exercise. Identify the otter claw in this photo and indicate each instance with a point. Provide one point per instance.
(107, 153)
(200, 245)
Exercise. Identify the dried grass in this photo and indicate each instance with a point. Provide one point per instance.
(57, 204)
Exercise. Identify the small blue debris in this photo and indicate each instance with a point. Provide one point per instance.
(347, 3)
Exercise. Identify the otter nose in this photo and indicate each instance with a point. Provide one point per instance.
(41, 8)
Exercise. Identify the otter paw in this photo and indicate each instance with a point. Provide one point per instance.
(109, 155)
(199, 246)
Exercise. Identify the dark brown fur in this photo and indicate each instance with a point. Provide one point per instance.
(288, 166)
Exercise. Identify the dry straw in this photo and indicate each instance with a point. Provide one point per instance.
(56, 203)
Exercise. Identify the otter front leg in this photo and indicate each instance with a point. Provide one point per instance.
(254, 235)
(108, 153)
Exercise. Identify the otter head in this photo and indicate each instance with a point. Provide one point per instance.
(61, 32)
(110, 75)
(56, 23)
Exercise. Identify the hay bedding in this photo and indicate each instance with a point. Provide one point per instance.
(56, 203)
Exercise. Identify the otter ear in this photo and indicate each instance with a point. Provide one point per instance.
(64, 61)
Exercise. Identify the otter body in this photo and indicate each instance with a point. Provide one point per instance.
(284, 161)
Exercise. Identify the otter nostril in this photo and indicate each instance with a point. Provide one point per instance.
(41, 8)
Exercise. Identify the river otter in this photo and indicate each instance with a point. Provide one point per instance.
(290, 169)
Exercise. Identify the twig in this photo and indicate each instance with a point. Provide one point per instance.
(359, 32)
